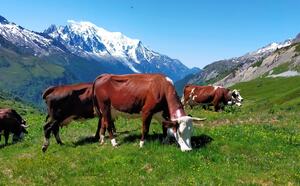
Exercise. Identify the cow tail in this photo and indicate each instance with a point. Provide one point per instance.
(47, 92)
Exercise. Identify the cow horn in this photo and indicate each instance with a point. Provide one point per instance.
(25, 126)
(198, 119)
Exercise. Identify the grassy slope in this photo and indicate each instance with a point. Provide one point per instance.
(256, 144)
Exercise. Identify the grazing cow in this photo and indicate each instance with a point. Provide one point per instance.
(146, 94)
(65, 103)
(215, 95)
(12, 122)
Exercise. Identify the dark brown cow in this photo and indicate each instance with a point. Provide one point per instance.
(65, 103)
(215, 95)
(146, 94)
(11, 122)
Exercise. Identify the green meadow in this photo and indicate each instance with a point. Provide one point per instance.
(256, 144)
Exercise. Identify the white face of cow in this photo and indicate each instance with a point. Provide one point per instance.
(184, 132)
(236, 98)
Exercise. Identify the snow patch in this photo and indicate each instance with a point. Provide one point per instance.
(289, 73)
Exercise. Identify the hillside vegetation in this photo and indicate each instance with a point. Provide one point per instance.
(256, 144)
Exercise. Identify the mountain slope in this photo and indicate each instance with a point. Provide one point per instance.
(251, 65)
(281, 63)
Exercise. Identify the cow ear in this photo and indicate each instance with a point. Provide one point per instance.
(170, 124)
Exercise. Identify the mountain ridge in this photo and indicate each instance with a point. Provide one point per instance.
(221, 72)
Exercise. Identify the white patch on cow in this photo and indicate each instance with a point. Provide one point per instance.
(193, 98)
(184, 132)
(178, 113)
(170, 80)
(114, 142)
(216, 87)
(142, 143)
(238, 98)
(192, 93)
(229, 102)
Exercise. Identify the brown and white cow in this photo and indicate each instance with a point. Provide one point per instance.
(215, 95)
(12, 122)
(64, 104)
(146, 94)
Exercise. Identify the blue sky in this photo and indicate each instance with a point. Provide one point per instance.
(195, 32)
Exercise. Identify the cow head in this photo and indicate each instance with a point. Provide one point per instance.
(20, 131)
(182, 129)
(236, 98)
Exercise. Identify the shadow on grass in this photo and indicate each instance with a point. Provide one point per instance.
(93, 139)
(86, 140)
(3, 145)
(197, 141)
(201, 141)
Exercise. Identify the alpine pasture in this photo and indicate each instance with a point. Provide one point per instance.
(256, 144)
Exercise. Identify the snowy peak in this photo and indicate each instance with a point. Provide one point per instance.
(273, 46)
(88, 40)
(27, 39)
(93, 40)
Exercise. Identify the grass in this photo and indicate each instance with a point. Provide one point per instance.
(281, 68)
(257, 144)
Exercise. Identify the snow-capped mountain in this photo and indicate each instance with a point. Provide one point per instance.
(28, 40)
(32, 61)
(273, 46)
(91, 41)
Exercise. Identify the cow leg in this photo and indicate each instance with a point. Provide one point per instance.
(217, 107)
(6, 136)
(55, 130)
(164, 128)
(107, 123)
(216, 103)
(102, 131)
(110, 129)
(147, 116)
(166, 138)
(97, 135)
(47, 132)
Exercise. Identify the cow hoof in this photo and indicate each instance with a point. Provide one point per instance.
(142, 144)
(101, 142)
(114, 142)
(44, 148)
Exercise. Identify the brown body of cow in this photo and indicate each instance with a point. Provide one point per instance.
(11, 122)
(210, 95)
(66, 103)
(141, 93)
